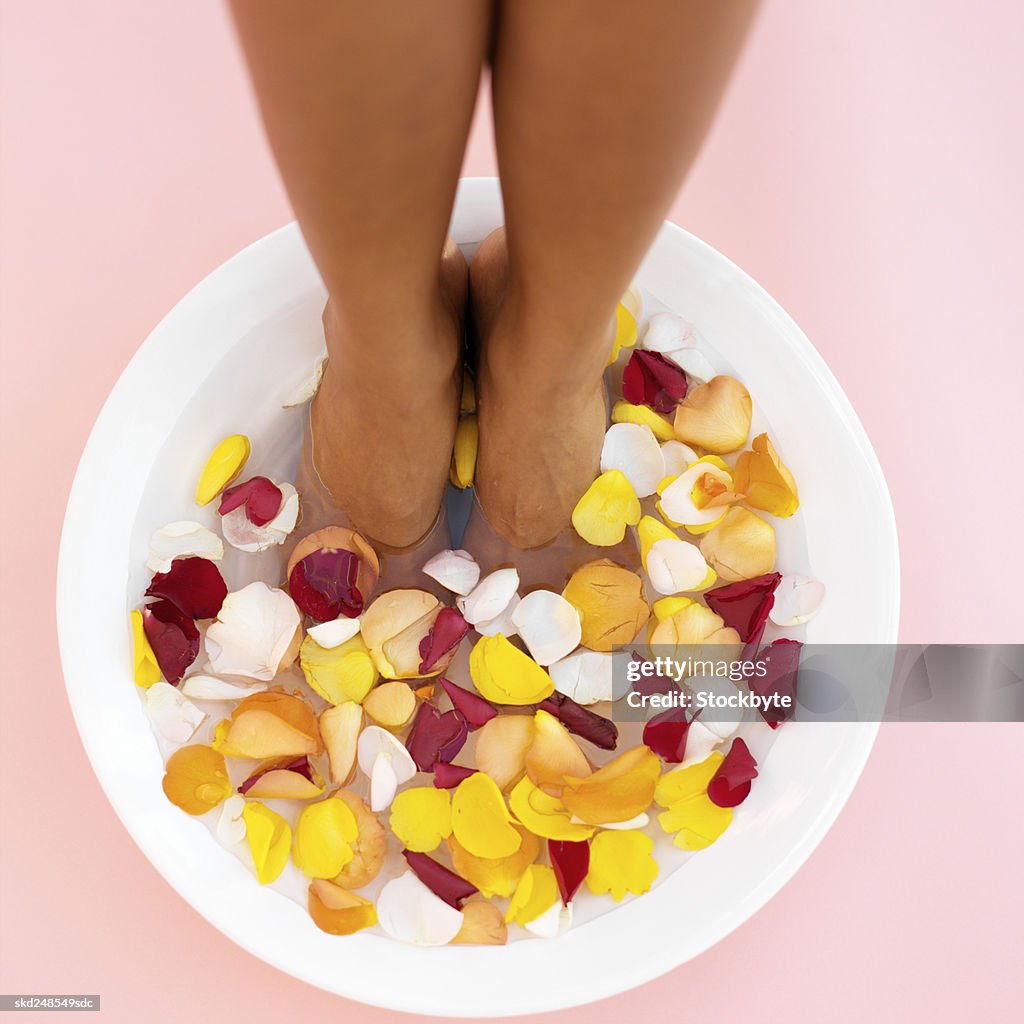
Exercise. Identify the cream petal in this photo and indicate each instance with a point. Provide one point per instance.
(173, 715)
(245, 535)
(383, 783)
(797, 600)
(549, 626)
(254, 630)
(231, 824)
(694, 363)
(587, 677)
(490, 597)
(633, 449)
(677, 499)
(722, 721)
(674, 566)
(666, 332)
(385, 760)
(502, 623)
(182, 539)
(334, 633)
(555, 921)
(456, 571)
(204, 687)
(409, 912)
(306, 388)
(678, 457)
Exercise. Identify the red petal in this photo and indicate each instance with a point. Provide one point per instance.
(473, 708)
(300, 765)
(730, 785)
(452, 888)
(448, 776)
(570, 862)
(653, 380)
(649, 685)
(194, 585)
(173, 637)
(666, 734)
(581, 721)
(745, 605)
(445, 634)
(261, 497)
(323, 584)
(781, 660)
(436, 736)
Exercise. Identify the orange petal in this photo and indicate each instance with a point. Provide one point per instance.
(618, 791)
(610, 600)
(715, 416)
(740, 547)
(553, 754)
(766, 482)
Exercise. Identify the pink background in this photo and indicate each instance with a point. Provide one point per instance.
(866, 168)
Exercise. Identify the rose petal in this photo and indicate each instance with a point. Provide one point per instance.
(586, 677)
(617, 791)
(337, 911)
(693, 363)
(621, 862)
(241, 533)
(715, 416)
(409, 912)
(545, 815)
(490, 596)
(740, 547)
(496, 876)
(501, 623)
(173, 636)
(666, 332)
(781, 663)
(340, 727)
(270, 840)
(436, 736)
(464, 452)
(553, 754)
(261, 498)
(483, 924)
(730, 785)
(766, 482)
(480, 820)
(582, 721)
(666, 734)
(183, 539)
(505, 675)
(421, 818)
(609, 505)
(633, 449)
(226, 461)
(199, 686)
(610, 601)
(307, 388)
(745, 605)
(256, 633)
(386, 761)
(267, 725)
(548, 624)
(474, 709)
(673, 566)
(693, 624)
(570, 862)
(334, 633)
(230, 824)
(439, 880)
(454, 570)
(173, 715)
(196, 779)
(797, 600)
(625, 331)
(626, 412)
(323, 584)
(338, 674)
(145, 667)
(194, 585)
(677, 458)
(444, 636)
(284, 778)
(652, 380)
(536, 892)
(685, 499)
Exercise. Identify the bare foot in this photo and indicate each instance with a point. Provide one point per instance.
(383, 428)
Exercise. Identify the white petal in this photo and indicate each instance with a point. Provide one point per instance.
(254, 629)
(307, 388)
(586, 677)
(677, 499)
(241, 533)
(678, 457)
(722, 721)
(694, 363)
(183, 539)
(549, 625)
(674, 566)
(633, 449)
(502, 623)
(385, 760)
(456, 571)
(333, 634)
(666, 332)
(700, 741)
(553, 922)
(408, 911)
(383, 783)
(797, 600)
(203, 687)
(640, 821)
(173, 715)
(490, 596)
(231, 824)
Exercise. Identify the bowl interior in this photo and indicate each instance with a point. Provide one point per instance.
(222, 362)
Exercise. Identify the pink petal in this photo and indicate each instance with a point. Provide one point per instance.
(323, 584)
(445, 634)
(582, 721)
(745, 605)
(653, 380)
(666, 734)
(570, 862)
(436, 736)
(173, 637)
(730, 785)
(473, 708)
(448, 776)
(781, 659)
(300, 765)
(261, 497)
(194, 585)
(452, 888)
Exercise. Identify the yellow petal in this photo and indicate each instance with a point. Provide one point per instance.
(624, 412)
(495, 876)
(610, 600)
(324, 835)
(504, 674)
(544, 815)
(482, 925)
(337, 911)
(692, 624)
(536, 892)
(145, 670)
(621, 862)
(480, 820)
(467, 442)
(668, 606)
(715, 415)
(625, 331)
(740, 547)
(649, 531)
(697, 822)
(553, 754)
(766, 482)
(686, 783)
(196, 779)
(421, 817)
(338, 674)
(270, 840)
(617, 791)
(224, 464)
(370, 846)
(608, 506)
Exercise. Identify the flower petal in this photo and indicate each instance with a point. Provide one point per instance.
(582, 721)
(651, 379)
(626, 412)
(324, 834)
(376, 748)
(269, 725)
(781, 663)
(172, 636)
(548, 624)
(173, 715)
(241, 533)
(256, 634)
(409, 912)
(553, 754)
(766, 482)
(183, 539)
(307, 388)
(230, 824)
(226, 461)
(145, 669)
(606, 509)
(391, 704)
(740, 547)
(480, 820)
(730, 785)
(443, 638)
(438, 879)
(421, 817)
(536, 892)
(570, 861)
(323, 584)
(797, 600)
(196, 779)
(483, 924)
(621, 862)
(490, 596)
(677, 458)
(715, 416)
(194, 585)
(270, 840)
(473, 708)
(625, 331)
(395, 626)
(334, 539)
(666, 332)
(685, 500)
(666, 734)
(464, 452)
(203, 687)
(496, 876)
(340, 727)
(337, 911)
(338, 674)
(335, 632)
(505, 675)
(259, 496)
(610, 602)
(448, 776)
(436, 736)
(370, 847)
(586, 677)
(545, 815)
(633, 449)
(456, 571)
(501, 747)
(674, 566)
(745, 605)
(617, 791)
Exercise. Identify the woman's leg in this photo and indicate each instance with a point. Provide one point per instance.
(600, 108)
(367, 107)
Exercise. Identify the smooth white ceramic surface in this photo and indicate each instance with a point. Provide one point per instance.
(271, 291)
